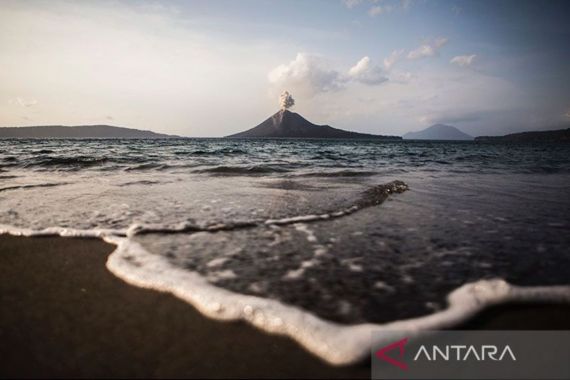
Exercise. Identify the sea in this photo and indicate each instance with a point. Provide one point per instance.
(318, 240)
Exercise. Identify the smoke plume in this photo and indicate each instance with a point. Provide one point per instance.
(286, 100)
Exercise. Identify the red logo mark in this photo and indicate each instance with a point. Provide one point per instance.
(381, 353)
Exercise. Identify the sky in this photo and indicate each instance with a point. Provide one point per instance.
(213, 68)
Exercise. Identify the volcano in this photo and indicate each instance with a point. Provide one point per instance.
(287, 124)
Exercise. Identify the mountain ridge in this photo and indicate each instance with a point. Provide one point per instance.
(79, 131)
(438, 132)
(545, 136)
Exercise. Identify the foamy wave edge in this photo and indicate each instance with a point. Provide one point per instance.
(334, 343)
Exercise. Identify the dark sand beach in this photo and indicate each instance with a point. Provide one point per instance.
(64, 315)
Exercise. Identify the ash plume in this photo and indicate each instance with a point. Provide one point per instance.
(286, 100)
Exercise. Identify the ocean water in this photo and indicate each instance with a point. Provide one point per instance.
(319, 240)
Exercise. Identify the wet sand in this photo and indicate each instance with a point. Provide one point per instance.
(62, 314)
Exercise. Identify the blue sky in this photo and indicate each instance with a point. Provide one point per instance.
(211, 68)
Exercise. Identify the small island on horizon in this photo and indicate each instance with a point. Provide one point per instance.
(80, 131)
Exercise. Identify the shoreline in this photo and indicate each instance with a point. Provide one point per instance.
(64, 314)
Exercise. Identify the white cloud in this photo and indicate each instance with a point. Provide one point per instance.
(428, 49)
(463, 60)
(307, 74)
(379, 9)
(390, 60)
(402, 77)
(376, 10)
(367, 73)
(351, 3)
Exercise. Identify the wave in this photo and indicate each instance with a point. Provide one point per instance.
(142, 182)
(334, 343)
(72, 163)
(43, 151)
(242, 170)
(223, 151)
(31, 186)
(148, 166)
(340, 173)
(371, 197)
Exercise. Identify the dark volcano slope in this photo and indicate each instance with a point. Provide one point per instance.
(287, 124)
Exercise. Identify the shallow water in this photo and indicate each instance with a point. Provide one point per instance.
(296, 220)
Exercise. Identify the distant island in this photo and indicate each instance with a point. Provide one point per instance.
(559, 135)
(79, 131)
(438, 132)
(287, 124)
